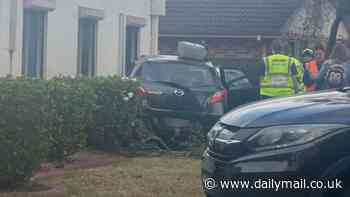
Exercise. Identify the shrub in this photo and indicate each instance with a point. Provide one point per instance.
(71, 103)
(43, 119)
(23, 141)
(117, 113)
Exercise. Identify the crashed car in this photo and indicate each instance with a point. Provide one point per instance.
(181, 92)
(186, 91)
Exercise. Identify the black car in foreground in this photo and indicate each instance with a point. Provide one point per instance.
(294, 146)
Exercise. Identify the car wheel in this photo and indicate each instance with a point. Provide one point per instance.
(155, 143)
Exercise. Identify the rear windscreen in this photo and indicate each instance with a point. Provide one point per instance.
(193, 76)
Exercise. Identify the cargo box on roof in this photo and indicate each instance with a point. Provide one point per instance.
(188, 50)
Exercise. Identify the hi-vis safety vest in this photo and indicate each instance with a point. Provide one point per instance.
(313, 70)
(278, 79)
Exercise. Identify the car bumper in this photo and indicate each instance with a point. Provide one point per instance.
(206, 119)
(261, 172)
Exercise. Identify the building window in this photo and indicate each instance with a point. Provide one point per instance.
(34, 43)
(87, 46)
(132, 47)
(130, 41)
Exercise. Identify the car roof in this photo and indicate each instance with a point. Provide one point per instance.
(173, 58)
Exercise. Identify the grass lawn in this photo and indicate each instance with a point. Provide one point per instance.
(127, 177)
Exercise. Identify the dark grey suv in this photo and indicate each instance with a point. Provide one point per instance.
(179, 93)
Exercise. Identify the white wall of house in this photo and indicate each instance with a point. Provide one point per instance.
(62, 35)
(4, 34)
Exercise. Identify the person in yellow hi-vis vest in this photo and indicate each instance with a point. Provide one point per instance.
(280, 75)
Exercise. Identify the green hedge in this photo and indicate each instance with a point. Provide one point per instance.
(117, 121)
(50, 120)
(23, 136)
(71, 104)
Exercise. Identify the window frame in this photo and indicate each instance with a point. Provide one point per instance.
(94, 16)
(40, 70)
(136, 33)
(92, 66)
(124, 22)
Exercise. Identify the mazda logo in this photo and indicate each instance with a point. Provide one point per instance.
(179, 92)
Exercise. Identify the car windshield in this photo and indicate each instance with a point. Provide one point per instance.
(192, 76)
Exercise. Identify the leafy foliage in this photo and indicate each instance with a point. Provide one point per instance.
(23, 136)
(117, 117)
(71, 105)
(49, 120)
(52, 119)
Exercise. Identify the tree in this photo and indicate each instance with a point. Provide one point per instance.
(313, 23)
(343, 10)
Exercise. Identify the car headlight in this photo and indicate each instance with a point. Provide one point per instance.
(290, 135)
(213, 133)
(219, 132)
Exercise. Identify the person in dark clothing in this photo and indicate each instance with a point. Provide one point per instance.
(337, 69)
(320, 54)
(335, 72)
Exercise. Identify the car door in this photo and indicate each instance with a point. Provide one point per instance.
(241, 90)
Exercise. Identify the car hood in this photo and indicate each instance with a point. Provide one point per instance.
(323, 107)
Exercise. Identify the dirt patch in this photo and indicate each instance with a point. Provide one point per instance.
(83, 160)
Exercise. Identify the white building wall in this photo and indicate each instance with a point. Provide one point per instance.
(62, 35)
(4, 36)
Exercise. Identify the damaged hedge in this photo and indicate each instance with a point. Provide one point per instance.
(117, 122)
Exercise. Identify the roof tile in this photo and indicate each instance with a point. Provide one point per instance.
(227, 17)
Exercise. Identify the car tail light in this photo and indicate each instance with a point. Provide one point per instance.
(218, 97)
(141, 92)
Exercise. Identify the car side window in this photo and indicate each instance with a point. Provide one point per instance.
(146, 71)
(236, 79)
(231, 75)
(241, 84)
(137, 72)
